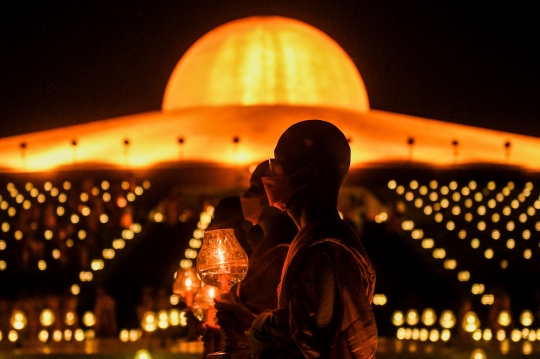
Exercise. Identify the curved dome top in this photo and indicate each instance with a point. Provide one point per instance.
(266, 61)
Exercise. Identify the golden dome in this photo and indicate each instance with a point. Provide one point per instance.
(266, 61)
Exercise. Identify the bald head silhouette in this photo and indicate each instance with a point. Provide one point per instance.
(318, 143)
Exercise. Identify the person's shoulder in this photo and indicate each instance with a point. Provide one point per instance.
(331, 247)
(339, 251)
(333, 242)
(274, 251)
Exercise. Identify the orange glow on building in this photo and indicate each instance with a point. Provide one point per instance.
(208, 134)
(237, 89)
(266, 61)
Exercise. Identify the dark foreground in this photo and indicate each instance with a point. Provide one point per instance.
(389, 348)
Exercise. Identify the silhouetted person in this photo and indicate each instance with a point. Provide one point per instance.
(5, 313)
(275, 232)
(146, 304)
(228, 214)
(53, 302)
(69, 305)
(465, 307)
(270, 236)
(536, 312)
(105, 313)
(324, 298)
(501, 302)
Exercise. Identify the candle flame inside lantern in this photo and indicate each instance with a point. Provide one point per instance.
(222, 262)
(221, 256)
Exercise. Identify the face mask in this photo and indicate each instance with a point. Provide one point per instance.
(278, 190)
(251, 208)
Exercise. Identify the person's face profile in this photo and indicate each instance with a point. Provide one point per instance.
(279, 166)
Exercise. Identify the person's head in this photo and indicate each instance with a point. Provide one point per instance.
(254, 199)
(228, 214)
(313, 157)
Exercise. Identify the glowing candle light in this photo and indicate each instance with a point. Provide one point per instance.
(223, 270)
(18, 320)
(471, 322)
(186, 284)
(211, 319)
(221, 262)
(46, 317)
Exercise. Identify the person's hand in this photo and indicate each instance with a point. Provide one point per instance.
(233, 315)
(234, 320)
(212, 339)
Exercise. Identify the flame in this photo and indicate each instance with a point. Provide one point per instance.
(188, 283)
(221, 256)
(212, 293)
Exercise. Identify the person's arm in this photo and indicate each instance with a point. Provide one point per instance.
(331, 316)
(315, 305)
(328, 312)
(270, 330)
(308, 325)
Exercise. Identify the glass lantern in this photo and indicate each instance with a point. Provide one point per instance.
(186, 284)
(222, 262)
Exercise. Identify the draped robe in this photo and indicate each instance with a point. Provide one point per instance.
(257, 291)
(324, 299)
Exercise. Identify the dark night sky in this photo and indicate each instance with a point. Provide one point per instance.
(78, 61)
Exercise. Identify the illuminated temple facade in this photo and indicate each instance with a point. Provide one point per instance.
(450, 214)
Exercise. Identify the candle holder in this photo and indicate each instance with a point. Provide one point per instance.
(186, 284)
(204, 311)
(222, 262)
(203, 304)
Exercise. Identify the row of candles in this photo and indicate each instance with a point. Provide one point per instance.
(487, 241)
(414, 335)
(221, 263)
(46, 335)
(448, 319)
(433, 335)
(199, 298)
(151, 322)
(47, 318)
